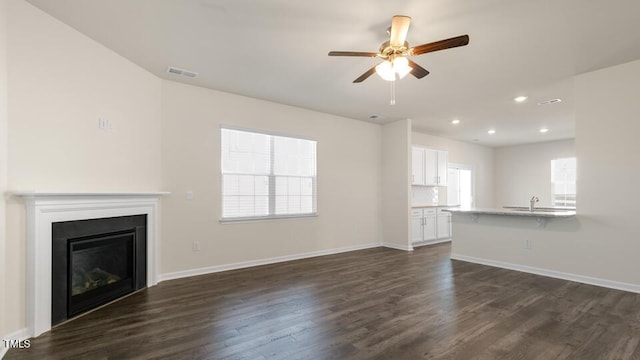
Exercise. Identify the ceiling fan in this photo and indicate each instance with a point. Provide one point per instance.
(395, 53)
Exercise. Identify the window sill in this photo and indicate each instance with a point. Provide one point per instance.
(266, 218)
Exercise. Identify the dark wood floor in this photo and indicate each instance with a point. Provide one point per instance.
(371, 304)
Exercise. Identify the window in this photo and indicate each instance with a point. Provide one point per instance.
(266, 176)
(460, 185)
(563, 182)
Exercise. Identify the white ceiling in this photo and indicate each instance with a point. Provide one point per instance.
(277, 50)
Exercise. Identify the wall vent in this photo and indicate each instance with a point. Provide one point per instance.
(181, 72)
(549, 102)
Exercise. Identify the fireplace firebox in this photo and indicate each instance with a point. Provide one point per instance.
(96, 261)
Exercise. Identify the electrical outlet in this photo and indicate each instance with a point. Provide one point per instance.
(189, 195)
(528, 244)
(195, 246)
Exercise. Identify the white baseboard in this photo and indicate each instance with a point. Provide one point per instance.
(246, 264)
(20, 335)
(398, 247)
(551, 273)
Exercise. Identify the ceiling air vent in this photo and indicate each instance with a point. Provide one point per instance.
(549, 102)
(181, 72)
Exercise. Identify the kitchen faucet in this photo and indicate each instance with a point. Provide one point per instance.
(532, 202)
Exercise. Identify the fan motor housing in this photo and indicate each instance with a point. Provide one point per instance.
(386, 50)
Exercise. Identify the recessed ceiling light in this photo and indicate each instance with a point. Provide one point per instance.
(491, 132)
(544, 130)
(455, 121)
(520, 99)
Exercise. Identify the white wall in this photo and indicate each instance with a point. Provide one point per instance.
(525, 170)
(479, 157)
(348, 181)
(60, 83)
(396, 183)
(3, 159)
(601, 243)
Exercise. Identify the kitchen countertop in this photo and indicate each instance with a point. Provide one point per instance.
(540, 213)
(415, 206)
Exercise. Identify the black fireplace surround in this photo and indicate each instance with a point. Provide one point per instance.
(96, 261)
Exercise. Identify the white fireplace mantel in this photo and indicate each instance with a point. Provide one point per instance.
(45, 208)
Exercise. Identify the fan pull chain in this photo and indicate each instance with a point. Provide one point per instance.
(393, 93)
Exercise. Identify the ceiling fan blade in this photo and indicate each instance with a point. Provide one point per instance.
(352, 53)
(399, 27)
(441, 45)
(364, 76)
(417, 70)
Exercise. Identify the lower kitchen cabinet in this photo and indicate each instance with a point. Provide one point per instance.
(444, 224)
(430, 225)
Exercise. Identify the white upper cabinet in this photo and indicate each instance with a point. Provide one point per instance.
(443, 167)
(417, 166)
(429, 167)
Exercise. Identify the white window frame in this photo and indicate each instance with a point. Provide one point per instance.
(272, 183)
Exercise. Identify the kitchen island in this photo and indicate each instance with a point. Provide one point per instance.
(514, 238)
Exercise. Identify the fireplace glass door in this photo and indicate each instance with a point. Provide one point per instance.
(101, 269)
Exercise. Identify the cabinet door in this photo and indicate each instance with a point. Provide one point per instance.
(431, 167)
(416, 225)
(444, 225)
(429, 228)
(417, 166)
(443, 167)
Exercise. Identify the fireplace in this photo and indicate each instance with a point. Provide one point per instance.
(43, 209)
(95, 261)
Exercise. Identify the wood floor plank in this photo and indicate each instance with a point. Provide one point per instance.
(371, 304)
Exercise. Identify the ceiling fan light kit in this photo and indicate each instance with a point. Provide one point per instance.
(389, 68)
(395, 53)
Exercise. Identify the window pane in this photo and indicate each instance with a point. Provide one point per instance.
(245, 152)
(294, 186)
(295, 157)
(306, 205)
(245, 205)
(261, 206)
(306, 186)
(282, 205)
(246, 164)
(294, 205)
(563, 181)
(282, 185)
(230, 185)
(262, 185)
(230, 206)
(245, 185)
